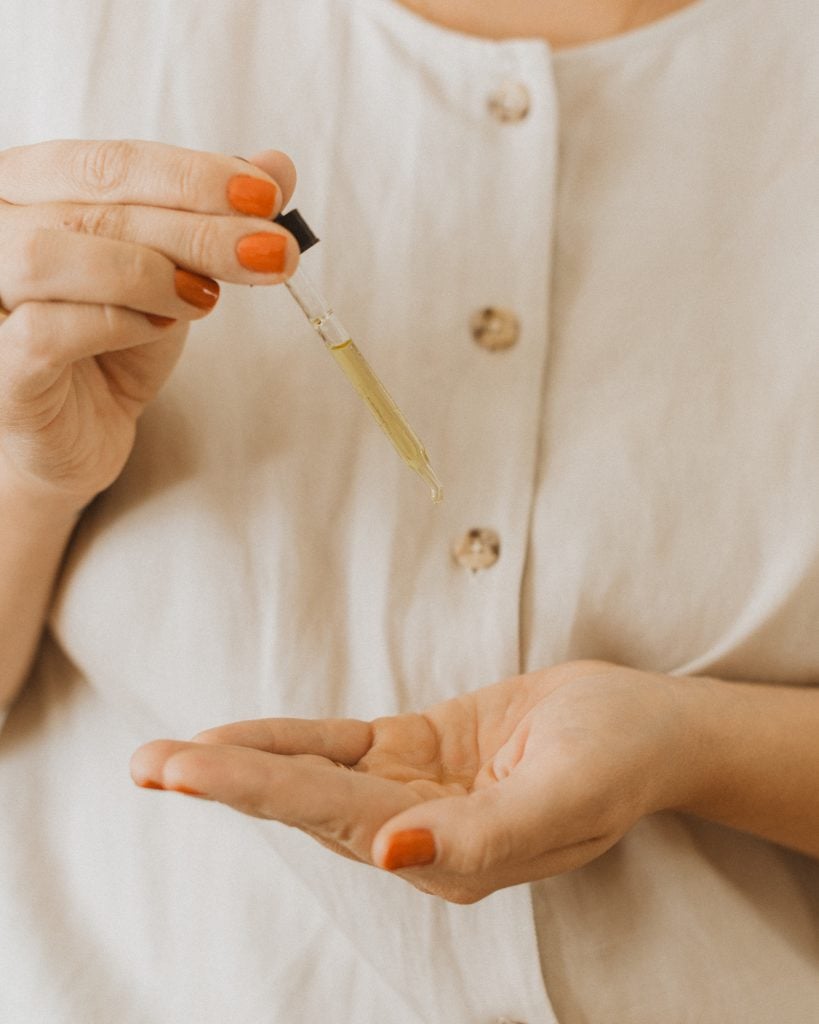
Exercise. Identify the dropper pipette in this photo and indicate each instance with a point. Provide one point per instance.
(353, 364)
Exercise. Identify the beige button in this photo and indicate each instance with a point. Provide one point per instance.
(477, 549)
(509, 102)
(494, 328)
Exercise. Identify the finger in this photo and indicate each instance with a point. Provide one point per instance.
(496, 829)
(148, 762)
(242, 250)
(344, 740)
(344, 807)
(39, 339)
(281, 168)
(148, 173)
(62, 266)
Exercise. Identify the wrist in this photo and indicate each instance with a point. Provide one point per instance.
(708, 733)
(35, 529)
(34, 506)
(31, 520)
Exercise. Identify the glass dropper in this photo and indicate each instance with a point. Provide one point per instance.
(355, 367)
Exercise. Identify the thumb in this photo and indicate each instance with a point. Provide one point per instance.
(487, 830)
(280, 168)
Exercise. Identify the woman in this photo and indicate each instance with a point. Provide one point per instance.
(575, 247)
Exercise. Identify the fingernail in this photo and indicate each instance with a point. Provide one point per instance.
(160, 321)
(252, 195)
(150, 784)
(409, 849)
(202, 292)
(263, 252)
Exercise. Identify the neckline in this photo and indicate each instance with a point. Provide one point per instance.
(654, 33)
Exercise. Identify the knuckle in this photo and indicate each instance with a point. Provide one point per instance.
(142, 268)
(344, 833)
(107, 221)
(35, 352)
(31, 263)
(337, 829)
(476, 855)
(203, 242)
(188, 175)
(104, 166)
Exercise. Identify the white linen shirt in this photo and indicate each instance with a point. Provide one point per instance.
(646, 451)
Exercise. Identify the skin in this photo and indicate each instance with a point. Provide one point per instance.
(92, 233)
(518, 780)
(529, 777)
(562, 23)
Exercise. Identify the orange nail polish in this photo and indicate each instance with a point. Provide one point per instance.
(150, 784)
(186, 790)
(160, 321)
(410, 849)
(199, 291)
(263, 252)
(252, 195)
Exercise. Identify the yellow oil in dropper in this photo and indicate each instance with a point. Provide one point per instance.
(353, 364)
(405, 440)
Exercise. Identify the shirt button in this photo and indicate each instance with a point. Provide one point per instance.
(477, 549)
(494, 328)
(509, 102)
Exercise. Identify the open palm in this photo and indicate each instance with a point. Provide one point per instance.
(529, 777)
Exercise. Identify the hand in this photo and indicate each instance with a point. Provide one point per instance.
(109, 250)
(527, 778)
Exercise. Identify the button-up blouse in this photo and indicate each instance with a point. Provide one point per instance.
(589, 279)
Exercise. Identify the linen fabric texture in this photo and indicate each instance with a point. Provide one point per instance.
(646, 452)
